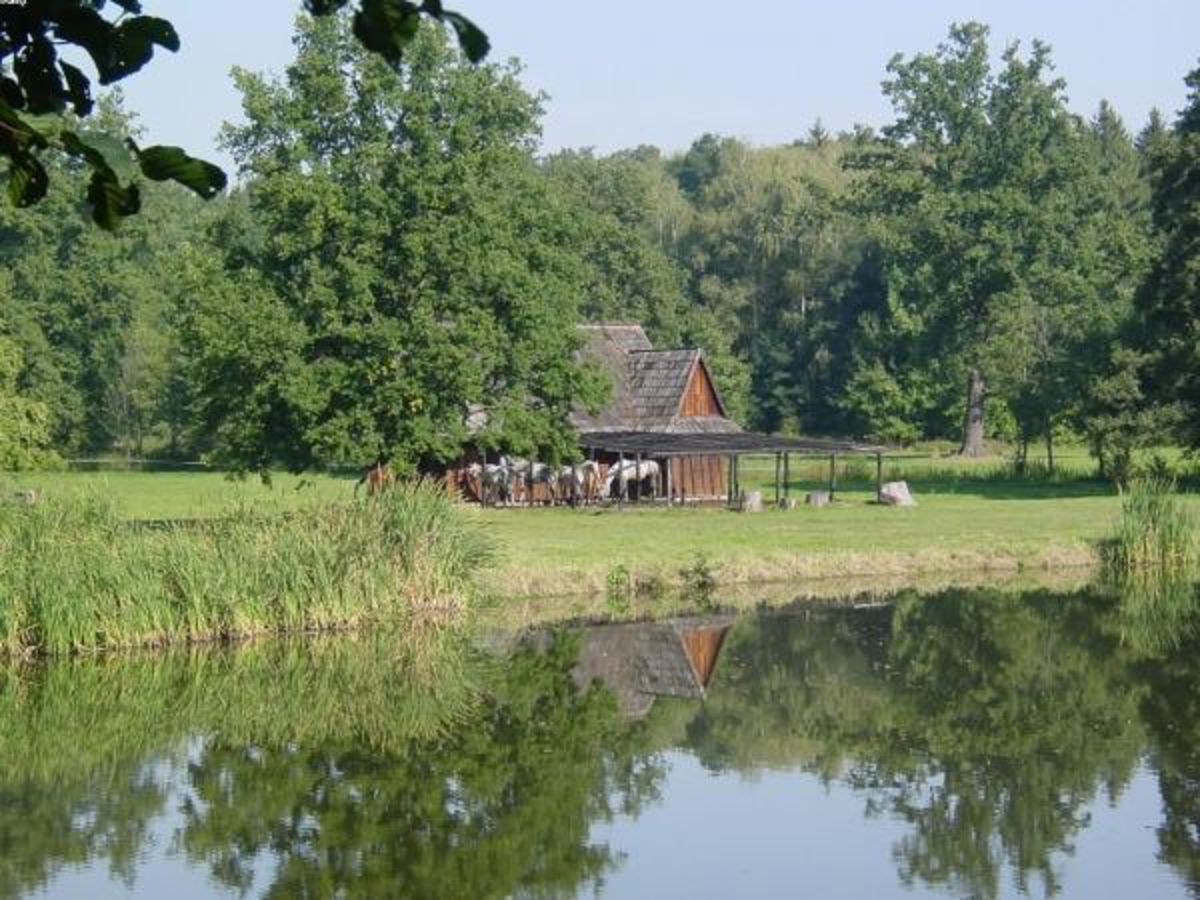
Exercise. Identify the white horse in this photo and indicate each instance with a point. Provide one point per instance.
(580, 482)
(529, 475)
(644, 475)
(495, 482)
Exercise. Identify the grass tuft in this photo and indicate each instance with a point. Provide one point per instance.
(1156, 530)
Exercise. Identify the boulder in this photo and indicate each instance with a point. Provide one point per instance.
(896, 493)
(751, 502)
(817, 498)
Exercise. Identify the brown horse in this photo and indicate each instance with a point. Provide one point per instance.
(378, 479)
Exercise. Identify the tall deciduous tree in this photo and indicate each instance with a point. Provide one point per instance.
(24, 422)
(1170, 300)
(983, 193)
(407, 284)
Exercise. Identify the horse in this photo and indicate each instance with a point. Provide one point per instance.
(495, 482)
(580, 482)
(644, 475)
(378, 479)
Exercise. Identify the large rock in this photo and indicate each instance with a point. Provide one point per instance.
(751, 502)
(895, 493)
(817, 498)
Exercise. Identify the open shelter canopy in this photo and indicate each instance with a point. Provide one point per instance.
(650, 443)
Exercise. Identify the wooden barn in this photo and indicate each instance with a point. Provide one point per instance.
(662, 392)
(665, 408)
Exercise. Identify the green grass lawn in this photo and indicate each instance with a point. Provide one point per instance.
(188, 495)
(549, 551)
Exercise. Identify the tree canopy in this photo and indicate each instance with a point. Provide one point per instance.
(405, 281)
(37, 85)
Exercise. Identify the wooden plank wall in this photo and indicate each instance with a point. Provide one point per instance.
(697, 477)
(699, 399)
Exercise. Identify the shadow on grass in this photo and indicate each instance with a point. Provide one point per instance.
(984, 488)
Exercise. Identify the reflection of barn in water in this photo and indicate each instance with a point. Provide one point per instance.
(643, 660)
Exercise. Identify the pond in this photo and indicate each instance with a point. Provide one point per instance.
(968, 743)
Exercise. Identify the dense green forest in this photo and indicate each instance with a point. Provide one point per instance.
(396, 258)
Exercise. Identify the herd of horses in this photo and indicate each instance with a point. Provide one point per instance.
(514, 481)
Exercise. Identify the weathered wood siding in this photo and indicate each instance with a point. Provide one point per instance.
(697, 477)
(699, 398)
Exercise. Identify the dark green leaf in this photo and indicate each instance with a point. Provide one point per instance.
(79, 89)
(130, 6)
(173, 164)
(27, 181)
(324, 7)
(111, 201)
(101, 150)
(133, 45)
(86, 28)
(473, 41)
(11, 92)
(18, 135)
(386, 27)
(37, 72)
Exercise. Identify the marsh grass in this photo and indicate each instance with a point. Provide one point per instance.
(75, 577)
(1156, 530)
(1153, 559)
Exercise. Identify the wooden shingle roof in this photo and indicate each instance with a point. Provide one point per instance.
(648, 384)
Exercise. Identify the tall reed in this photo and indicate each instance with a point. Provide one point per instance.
(74, 577)
(1156, 530)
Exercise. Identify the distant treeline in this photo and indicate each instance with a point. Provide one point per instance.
(399, 268)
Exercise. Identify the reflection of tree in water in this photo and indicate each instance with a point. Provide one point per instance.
(501, 807)
(323, 757)
(46, 827)
(987, 722)
(1171, 711)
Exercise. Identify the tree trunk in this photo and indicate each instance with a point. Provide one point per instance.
(1050, 447)
(972, 444)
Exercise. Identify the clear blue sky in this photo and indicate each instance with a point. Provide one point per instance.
(664, 72)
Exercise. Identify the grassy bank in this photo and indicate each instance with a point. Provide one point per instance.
(994, 526)
(76, 577)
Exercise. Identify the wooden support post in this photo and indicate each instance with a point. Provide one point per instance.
(729, 486)
(878, 475)
(637, 479)
(777, 486)
(621, 479)
(667, 478)
(737, 478)
(832, 475)
(529, 485)
(787, 475)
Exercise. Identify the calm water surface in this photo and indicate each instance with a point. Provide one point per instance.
(964, 744)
